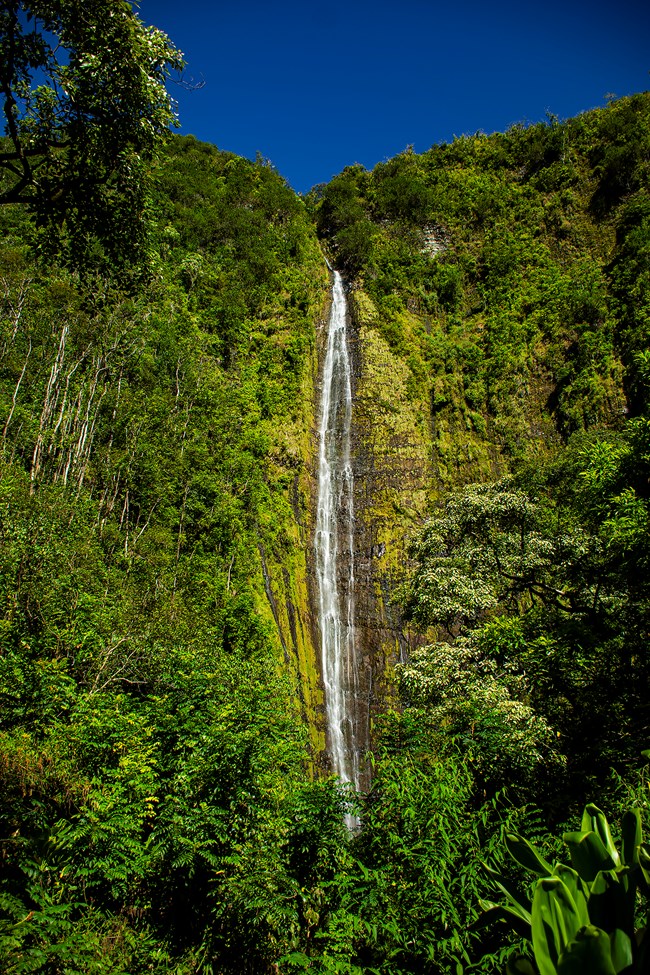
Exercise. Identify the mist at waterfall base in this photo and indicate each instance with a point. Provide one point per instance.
(334, 550)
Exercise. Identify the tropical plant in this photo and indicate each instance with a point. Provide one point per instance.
(581, 918)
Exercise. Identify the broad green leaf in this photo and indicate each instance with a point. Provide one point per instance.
(631, 836)
(525, 854)
(556, 921)
(594, 820)
(611, 904)
(588, 954)
(603, 881)
(588, 854)
(621, 950)
(644, 861)
(576, 887)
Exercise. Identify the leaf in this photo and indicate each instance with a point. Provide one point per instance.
(576, 887)
(644, 861)
(588, 954)
(296, 958)
(621, 949)
(594, 820)
(588, 854)
(631, 836)
(518, 919)
(520, 903)
(556, 921)
(525, 854)
(611, 906)
(520, 966)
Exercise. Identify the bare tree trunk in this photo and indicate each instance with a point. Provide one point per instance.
(181, 525)
(15, 309)
(14, 398)
(49, 406)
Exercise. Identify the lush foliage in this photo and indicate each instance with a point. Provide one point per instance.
(583, 917)
(510, 272)
(406, 894)
(153, 761)
(551, 598)
(86, 109)
(160, 809)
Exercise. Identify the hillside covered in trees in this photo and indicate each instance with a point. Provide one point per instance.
(165, 803)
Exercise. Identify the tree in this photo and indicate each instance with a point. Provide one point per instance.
(542, 609)
(86, 109)
(490, 551)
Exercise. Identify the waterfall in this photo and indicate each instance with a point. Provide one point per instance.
(334, 546)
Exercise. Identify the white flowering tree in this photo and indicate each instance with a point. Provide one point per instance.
(492, 555)
(493, 549)
(462, 689)
(541, 613)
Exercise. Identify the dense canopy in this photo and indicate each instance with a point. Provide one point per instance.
(85, 109)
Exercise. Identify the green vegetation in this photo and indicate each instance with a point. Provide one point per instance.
(494, 270)
(152, 455)
(495, 264)
(86, 110)
(582, 918)
(162, 808)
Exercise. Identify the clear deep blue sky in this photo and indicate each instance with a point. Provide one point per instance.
(315, 87)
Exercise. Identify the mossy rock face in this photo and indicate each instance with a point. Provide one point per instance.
(413, 442)
(284, 579)
(394, 491)
(489, 349)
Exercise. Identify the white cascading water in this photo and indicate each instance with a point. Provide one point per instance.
(335, 548)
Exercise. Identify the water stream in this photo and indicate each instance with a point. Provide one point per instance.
(334, 545)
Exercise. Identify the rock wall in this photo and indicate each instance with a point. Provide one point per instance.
(394, 490)
(286, 571)
(406, 455)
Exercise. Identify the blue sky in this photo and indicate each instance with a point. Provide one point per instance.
(315, 87)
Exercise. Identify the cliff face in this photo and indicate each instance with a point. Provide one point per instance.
(488, 323)
(405, 456)
(392, 449)
(286, 582)
(393, 485)
(394, 488)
